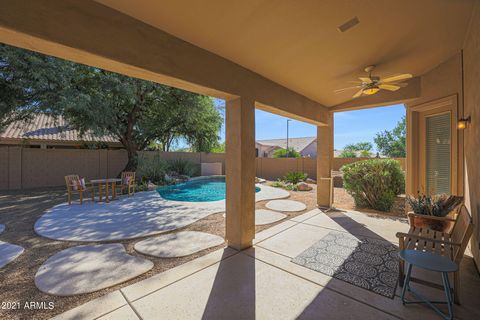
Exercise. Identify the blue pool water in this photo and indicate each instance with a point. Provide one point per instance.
(198, 190)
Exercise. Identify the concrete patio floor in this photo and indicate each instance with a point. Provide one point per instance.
(263, 283)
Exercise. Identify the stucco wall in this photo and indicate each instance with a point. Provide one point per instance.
(471, 62)
(443, 81)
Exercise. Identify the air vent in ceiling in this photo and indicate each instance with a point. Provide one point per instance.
(349, 24)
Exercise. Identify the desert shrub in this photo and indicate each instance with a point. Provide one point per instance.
(374, 183)
(294, 177)
(286, 153)
(182, 167)
(152, 169)
(283, 185)
(291, 187)
(277, 184)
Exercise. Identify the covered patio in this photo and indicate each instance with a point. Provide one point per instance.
(287, 59)
(263, 283)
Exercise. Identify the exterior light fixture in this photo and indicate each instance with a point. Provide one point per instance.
(463, 123)
(371, 90)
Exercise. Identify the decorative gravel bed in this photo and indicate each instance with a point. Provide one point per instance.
(19, 211)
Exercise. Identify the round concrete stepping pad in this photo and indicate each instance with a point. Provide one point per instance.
(178, 244)
(8, 253)
(263, 216)
(286, 205)
(88, 268)
(2, 228)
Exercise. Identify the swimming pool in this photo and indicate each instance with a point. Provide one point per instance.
(196, 190)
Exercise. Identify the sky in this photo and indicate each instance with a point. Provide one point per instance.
(349, 126)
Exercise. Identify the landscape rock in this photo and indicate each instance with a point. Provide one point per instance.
(303, 186)
(151, 186)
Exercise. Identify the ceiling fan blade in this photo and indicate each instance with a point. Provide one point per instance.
(346, 89)
(389, 87)
(365, 80)
(358, 94)
(397, 78)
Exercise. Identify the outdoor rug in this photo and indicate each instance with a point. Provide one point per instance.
(368, 263)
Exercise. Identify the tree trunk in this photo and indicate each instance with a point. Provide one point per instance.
(132, 162)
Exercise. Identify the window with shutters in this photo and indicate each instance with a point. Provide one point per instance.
(438, 153)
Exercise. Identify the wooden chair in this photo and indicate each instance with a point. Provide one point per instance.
(130, 186)
(73, 185)
(452, 245)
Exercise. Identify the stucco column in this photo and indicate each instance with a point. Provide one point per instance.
(240, 173)
(324, 163)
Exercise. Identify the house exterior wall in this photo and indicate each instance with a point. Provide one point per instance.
(264, 151)
(443, 82)
(471, 64)
(310, 150)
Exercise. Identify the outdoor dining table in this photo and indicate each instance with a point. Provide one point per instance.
(106, 182)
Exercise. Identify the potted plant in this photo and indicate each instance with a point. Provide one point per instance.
(434, 212)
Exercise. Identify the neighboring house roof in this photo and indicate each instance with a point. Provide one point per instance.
(298, 144)
(45, 128)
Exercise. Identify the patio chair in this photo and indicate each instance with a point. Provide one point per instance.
(452, 245)
(128, 182)
(74, 184)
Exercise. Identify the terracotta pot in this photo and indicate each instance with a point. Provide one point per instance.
(425, 222)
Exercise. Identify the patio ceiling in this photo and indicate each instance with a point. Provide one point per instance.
(297, 44)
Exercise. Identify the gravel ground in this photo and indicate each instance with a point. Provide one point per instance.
(20, 210)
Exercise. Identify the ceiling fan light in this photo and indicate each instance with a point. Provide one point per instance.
(370, 91)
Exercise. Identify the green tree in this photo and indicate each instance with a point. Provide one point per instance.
(359, 146)
(365, 153)
(392, 143)
(348, 154)
(286, 153)
(29, 84)
(220, 148)
(137, 112)
(351, 150)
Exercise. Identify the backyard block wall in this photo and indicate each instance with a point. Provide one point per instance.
(28, 168)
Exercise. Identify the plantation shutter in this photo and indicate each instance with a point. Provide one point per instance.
(438, 153)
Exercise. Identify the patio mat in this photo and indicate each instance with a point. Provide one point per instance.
(364, 262)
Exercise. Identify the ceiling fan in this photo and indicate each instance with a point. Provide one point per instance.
(372, 84)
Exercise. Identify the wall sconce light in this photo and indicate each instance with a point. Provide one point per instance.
(463, 123)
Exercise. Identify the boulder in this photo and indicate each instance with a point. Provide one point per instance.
(308, 180)
(151, 186)
(259, 180)
(303, 186)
